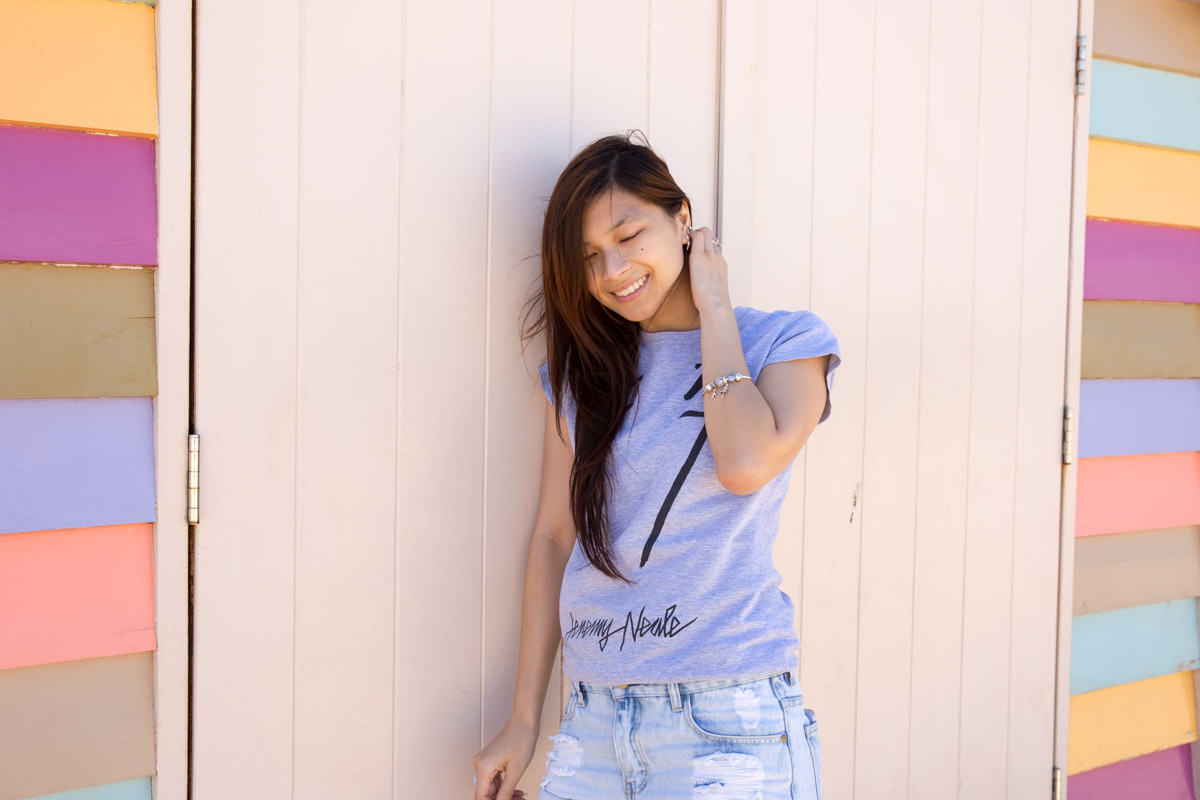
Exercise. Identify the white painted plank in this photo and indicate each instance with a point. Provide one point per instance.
(346, 405)
(441, 382)
(738, 166)
(610, 69)
(893, 366)
(245, 262)
(941, 515)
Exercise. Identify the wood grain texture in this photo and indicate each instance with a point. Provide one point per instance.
(1138, 416)
(1136, 568)
(1130, 339)
(1132, 261)
(76, 593)
(80, 64)
(1133, 493)
(1111, 725)
(76, 197)
(1154, 33)
(76, 463)
(135, 789)
(81, 723)
(76, 332)
(1131, 644)
(1165, 775)
(1140, 183)
(1145, 106)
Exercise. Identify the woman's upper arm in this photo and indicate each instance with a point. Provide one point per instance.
(796, 392)
(554, 519)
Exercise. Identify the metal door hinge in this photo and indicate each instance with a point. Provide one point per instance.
(193, 486)
(1080, 65)
(1056, 791)
(1068, 435)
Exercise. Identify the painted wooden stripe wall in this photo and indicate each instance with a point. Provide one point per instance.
(78, 252)
(1135, 642)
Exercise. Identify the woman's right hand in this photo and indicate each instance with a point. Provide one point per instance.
(509, 753)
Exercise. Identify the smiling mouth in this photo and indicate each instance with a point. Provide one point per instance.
(633, 288)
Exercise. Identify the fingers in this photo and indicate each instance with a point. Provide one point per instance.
(486, 782)
(704, 239)
(508, 787)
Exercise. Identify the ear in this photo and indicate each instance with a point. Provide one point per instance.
(684, 218)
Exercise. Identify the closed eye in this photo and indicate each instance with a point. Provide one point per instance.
(627, 238)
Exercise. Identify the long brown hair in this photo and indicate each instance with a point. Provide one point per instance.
(589, 348)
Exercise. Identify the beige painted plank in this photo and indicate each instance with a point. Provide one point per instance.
(834, 489)
(1137, 568)
(76, 331)
(246, 393)
(172, 406)
(942, 452)
(346, 409)
(75, 724)
(1049, 219)
(988, 579)
(1131, 339)
(442, 385)
(611, 71)
(1153, 33)
(530, 146)
(898, 181)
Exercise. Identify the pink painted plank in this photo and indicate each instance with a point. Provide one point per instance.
(76, 593)
(1165, 775)
(67, 196)
(1133, 261)
(1133, 493)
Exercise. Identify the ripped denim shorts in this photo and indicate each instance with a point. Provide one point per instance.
(734, 739)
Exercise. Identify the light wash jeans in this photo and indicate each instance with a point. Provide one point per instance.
(734, 739)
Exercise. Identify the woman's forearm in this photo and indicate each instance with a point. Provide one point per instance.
(540, 631)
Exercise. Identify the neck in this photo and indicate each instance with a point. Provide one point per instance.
(678, 312)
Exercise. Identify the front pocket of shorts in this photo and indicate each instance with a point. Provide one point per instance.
(748, 713)
(572, 704)
(814, 747)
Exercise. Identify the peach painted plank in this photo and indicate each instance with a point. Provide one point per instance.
(1131, 339)
(1134, 261)
(76, 593)
(82, 64)
(80, 723)
(1154, 33)
(1143, 184)
(1135, 568)
(1111, 725)
(76, 462)
(1165, 775)
(76, 331)
(76, 197)
(136, 789)
(1132, 493)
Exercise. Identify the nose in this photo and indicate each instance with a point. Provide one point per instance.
(615, 263)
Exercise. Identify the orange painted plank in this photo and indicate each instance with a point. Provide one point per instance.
(76, 593)
(1143, 184)
(84, 64)
(1111, 725)
(1131, 493)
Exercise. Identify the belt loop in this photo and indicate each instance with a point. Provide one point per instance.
(581, 698)
(791, 678)
(676, 702)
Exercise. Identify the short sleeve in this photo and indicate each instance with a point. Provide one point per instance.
(805, 335)
(544, 372)
(568, 410)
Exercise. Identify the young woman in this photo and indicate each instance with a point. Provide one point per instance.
(651, 552)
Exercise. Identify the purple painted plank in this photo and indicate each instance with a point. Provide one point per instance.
(75, 462)
(1138, 416)
(1131, 261)
(76, 197)
(1165, 775)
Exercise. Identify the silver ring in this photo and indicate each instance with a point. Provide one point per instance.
(716, 242)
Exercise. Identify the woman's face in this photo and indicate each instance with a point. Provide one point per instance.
(634, 254)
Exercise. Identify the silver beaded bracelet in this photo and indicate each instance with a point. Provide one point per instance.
(723, 383)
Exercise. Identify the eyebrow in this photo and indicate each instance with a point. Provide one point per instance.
(619, 223)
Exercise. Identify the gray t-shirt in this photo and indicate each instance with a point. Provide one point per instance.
(706, 601)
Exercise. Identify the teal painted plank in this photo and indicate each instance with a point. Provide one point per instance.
(1131, 644)
(1148, 106)
(136, 789)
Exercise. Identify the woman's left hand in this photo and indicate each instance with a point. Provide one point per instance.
(708, 271)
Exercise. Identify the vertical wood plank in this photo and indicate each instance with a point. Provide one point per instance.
(834, 486)
(738, 164)
(348, 206)
(610, 72)
(943, 419)
(442, 383)
(898, 165)
(245, 384)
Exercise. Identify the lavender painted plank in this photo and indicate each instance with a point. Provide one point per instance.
(1165, 775)
(75, 463)
(1135, 261)
(1129, 417)
(76, 197)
